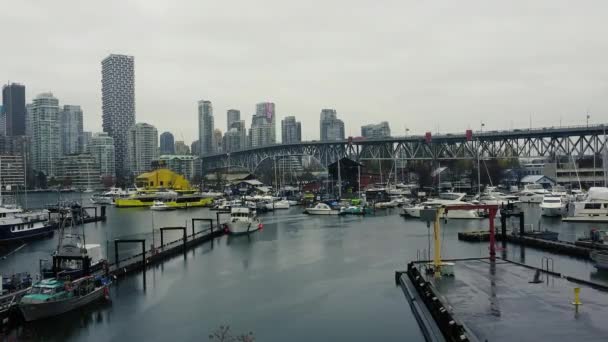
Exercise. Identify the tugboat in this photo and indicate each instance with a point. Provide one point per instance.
(243, 220)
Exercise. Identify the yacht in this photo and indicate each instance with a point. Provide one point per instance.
(15, 224)
(553, 205)
(532, 193)
(321, 209)
(446, 198)
(282, 204)
(594, 208)
(243, 220)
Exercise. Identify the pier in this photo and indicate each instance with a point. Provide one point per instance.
(504, 301)
(135, 263)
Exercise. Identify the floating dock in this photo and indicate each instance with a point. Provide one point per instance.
(504, 301)
(133, 263)
(559, 247)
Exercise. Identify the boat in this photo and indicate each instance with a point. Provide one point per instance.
(354, 210)
(446, 198)
(321, 209)
(109, 196)
(282, 204)
(88, 190)
(533, 193)
(595, 240)
(243, 220)
(53, 296)
(161, 206)
(16, 224)
(593, 209)
(174, 201)
(553, 205)
(599, 259)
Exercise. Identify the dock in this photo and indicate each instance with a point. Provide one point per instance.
(559, 247)
(504, 301)
(135, 263)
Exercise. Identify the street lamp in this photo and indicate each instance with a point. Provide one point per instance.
(482, 126)
(588, 116)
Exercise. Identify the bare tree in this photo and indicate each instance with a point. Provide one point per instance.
(222, 334)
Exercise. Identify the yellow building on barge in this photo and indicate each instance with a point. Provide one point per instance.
(163, 185)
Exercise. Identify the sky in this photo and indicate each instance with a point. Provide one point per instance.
(439, 66)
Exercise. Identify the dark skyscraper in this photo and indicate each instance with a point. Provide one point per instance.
(13, 104)
(118, 105)
(232, 116)
(167, 143)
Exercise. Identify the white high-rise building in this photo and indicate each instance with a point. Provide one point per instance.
(71, 129)
(263, 125)
(291, 130)
(331, 127)
(205, 127)
(375, 131)
(46, 136)
(101, 147)
(118, 104)
(143, 147)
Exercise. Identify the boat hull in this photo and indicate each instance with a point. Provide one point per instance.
(313, 211)
(242, 227)
(553, 211)
(6, 235)
(32, 312)
(454, 214)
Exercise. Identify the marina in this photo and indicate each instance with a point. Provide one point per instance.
(299, 252)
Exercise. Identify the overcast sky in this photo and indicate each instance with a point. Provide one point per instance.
(424, 65)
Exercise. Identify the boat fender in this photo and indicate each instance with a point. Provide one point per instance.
(106, 293)
(260, 226)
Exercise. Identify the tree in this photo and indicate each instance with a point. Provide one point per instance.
(41, 181)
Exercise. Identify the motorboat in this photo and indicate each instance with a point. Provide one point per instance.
(113, 193)
(161, 206)
(594, 208)
(553, 205)
(53, 296)
(16, 224)
(321, 209)
(561, 191)
(243, 220)
(533, 193)
(384, 205)
(447, 198)
(282, 204)
(355, 210)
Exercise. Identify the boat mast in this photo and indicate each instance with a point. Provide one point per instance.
(339, 179)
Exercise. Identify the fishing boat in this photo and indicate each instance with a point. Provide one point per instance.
(53, 296)
(321, 209)
(553, 205)
(243, 220)
(161, 206)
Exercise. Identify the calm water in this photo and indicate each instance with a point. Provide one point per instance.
(302, 278)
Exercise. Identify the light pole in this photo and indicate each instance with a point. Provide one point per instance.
(482, 126)
(588, 116)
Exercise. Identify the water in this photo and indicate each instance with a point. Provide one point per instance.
(302, 278)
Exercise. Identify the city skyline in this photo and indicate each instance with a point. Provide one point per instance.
(424, 77)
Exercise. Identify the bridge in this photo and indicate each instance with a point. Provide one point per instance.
(576, 141)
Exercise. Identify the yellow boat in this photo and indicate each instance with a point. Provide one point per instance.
(163, 185)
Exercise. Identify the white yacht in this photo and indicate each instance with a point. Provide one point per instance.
(243, 221)
(594, 208)
(321, 209)
(282, 204)
(446, 198)
(109, 196)
(553, 205)
(533, 193)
